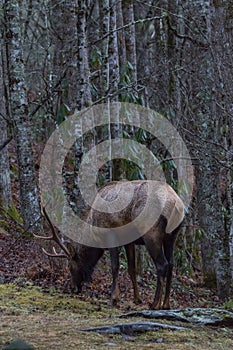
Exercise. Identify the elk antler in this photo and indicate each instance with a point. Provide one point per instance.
(53, 237)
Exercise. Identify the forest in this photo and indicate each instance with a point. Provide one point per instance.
(113, 90)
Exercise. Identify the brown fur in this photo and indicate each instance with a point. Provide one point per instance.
(159, 239)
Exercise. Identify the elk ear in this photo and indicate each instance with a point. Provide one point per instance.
(71, 249)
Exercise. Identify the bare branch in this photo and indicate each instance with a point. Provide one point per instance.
(5, 143)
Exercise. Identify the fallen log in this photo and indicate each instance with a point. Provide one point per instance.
(198, 316)
(131, 328)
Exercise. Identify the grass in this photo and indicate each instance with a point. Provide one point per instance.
(49, 320)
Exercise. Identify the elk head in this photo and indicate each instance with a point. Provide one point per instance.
(78, 265)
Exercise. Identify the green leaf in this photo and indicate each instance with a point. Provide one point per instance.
(14, 214)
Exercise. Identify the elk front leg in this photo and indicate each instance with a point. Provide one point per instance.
(114, 254)
(130, 252)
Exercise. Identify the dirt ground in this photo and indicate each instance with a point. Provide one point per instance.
(50, 320)
(36, 305)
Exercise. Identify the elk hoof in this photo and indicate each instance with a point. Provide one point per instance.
(157, 306)
(137, 301)
(114, 302)
(76, 290)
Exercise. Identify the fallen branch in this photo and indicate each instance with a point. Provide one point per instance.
(132, 328)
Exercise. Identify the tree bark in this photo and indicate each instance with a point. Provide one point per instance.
(84, 98)
(130, 38)
(5, 181)
(19, 110)
(215, 244)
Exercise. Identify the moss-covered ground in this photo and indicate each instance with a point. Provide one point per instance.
(50, 320)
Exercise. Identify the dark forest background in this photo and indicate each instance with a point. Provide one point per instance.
(175, 57)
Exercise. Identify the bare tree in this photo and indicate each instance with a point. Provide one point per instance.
(19, 112)
(130, 38)
(5, 181)
(84, 98)
(215, 243)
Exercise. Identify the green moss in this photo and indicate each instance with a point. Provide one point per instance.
(15, 299)
(50, 320)
(228, 305)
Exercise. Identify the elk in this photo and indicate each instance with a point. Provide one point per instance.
(159, 239)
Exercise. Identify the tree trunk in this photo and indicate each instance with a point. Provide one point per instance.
(130, 39)
(65, 54)
(5, 181)
(121, 36)
(113, 57)
(84, 98)
(19, 114)
(215, 244)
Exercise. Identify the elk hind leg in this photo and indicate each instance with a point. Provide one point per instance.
(130, 252)
(162, 269)
(155, 249)
(168, 245)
